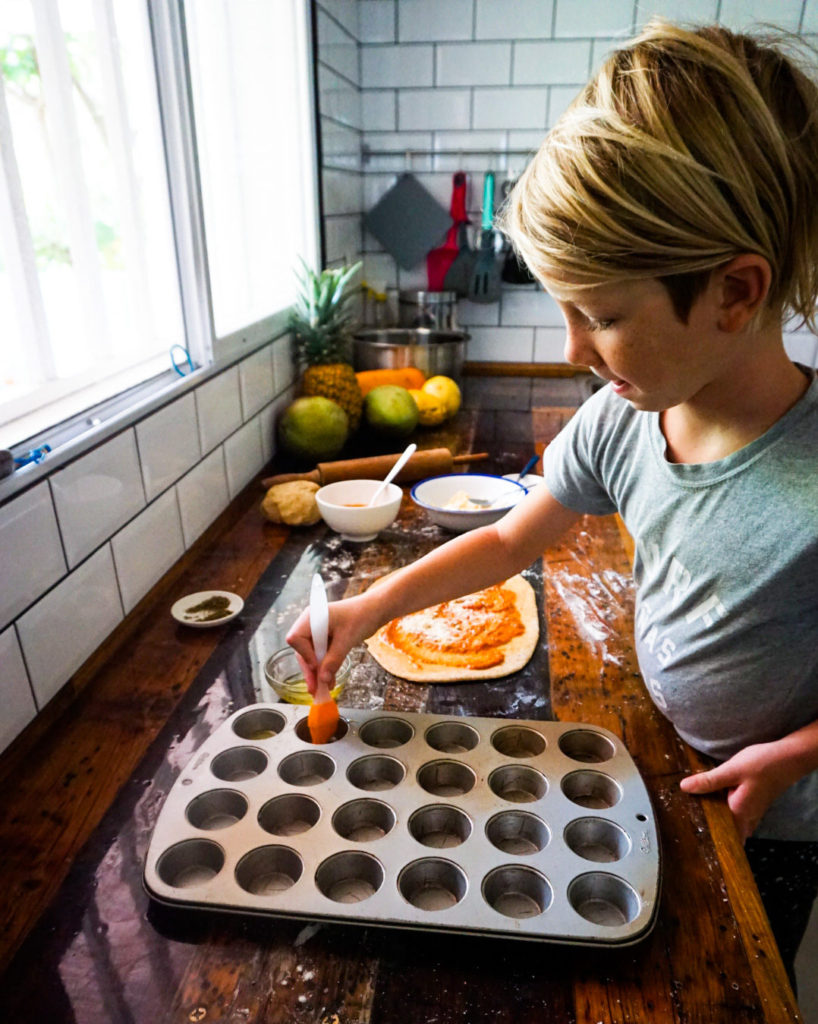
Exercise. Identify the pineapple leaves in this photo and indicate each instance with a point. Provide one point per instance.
(320, 317)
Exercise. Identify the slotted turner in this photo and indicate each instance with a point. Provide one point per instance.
(485, 281)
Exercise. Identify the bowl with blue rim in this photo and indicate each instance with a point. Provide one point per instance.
(464, 501)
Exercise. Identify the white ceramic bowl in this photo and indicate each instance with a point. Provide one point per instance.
(342, 506)
(435, 492)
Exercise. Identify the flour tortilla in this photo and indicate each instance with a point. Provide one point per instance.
(516, 653)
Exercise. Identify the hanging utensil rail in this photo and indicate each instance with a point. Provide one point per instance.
(410, 151)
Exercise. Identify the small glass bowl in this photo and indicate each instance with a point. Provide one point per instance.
(284, 674)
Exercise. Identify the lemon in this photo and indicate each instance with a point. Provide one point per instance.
(431, 410)
(446, 390)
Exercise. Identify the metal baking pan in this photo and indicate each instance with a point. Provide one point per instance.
(523, 829)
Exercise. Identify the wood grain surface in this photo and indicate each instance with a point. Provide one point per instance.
(81, 941)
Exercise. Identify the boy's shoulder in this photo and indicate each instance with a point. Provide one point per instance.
(803, 416)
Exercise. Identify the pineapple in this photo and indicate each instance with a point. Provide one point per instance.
(321, 322)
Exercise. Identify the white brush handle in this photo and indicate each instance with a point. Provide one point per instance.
(319, 627)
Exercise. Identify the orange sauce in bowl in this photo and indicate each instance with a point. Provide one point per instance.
(351, 505)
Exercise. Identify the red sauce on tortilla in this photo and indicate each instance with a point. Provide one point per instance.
(469, 632)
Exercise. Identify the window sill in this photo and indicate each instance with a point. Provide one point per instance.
(92, 427)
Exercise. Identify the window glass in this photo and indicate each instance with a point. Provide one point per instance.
(93, 277)
(251, 92)
(88, 253)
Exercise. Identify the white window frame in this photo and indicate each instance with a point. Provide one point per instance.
(210, 355)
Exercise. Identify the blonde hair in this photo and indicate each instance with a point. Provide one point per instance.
(688, 148)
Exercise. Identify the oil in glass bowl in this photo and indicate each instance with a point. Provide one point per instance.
(284, 675)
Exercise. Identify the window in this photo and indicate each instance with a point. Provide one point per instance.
(122, 230)
(245, 103)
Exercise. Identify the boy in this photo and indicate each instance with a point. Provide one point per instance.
(670, 215)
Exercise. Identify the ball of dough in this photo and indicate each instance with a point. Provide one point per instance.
(292, 503)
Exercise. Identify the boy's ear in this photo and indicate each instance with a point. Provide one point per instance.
(744, 285)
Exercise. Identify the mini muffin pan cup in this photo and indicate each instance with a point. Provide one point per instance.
(524, 829)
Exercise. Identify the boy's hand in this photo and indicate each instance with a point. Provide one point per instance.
(349, 624)
(753, 778)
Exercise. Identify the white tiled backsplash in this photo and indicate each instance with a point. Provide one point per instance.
(438, 82)
(80, 549)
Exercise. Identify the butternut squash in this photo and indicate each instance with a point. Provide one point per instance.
(405, 377)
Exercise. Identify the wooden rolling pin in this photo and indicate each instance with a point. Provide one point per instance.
(431, 462)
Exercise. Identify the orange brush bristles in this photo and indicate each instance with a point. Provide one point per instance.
(322, 720)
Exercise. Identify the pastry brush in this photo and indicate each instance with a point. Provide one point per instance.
(322, 720)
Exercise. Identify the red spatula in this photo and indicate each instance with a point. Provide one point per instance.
(440, 259)
(322, 720)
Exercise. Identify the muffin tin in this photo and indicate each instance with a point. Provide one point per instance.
(524, 829)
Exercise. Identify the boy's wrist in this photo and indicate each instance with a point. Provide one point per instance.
(792, 757)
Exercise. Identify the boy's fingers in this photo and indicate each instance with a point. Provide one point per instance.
(707, 782)
(309, 673)
(328, 668)
(746, 816)
(303, 650)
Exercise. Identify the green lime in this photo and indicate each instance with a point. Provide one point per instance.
(389, 409)
(313, 428)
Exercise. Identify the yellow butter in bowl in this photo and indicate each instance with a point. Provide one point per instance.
(462, 502)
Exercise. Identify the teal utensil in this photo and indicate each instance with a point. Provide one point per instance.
(485, 282)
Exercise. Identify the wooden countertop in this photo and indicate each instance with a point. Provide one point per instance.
(81, 941)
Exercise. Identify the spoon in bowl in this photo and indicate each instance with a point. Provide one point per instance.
(393, 472)
(322, 720)
(532, 462)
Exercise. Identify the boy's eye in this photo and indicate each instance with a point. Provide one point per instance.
(600, 325)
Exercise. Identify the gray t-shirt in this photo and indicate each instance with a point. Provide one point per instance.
(726, 572)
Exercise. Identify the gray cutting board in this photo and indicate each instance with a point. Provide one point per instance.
(408, 221)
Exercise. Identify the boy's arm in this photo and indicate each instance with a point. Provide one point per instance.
(468, 563)
(758, 774)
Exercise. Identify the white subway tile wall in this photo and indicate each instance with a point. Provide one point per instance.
(168, 445)
(30, 551)
(741, 14)
(568, 62)
(465, 63)
(283, 363)
(474, 85)
(96, 494)
(79, 550)
(691, 11)
(60, 631)
(339, 49)
(218, 406)
(521, 19)
(243, 454)
(376, 21)
(343, 108)
(202, 495)
(428, 19)
(395, 66)
(503, 344)
(256, 381)
(432, 108)
(147, 547)
(18, 700)
(595, 18)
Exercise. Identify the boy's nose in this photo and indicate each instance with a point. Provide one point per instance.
(579, 349)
